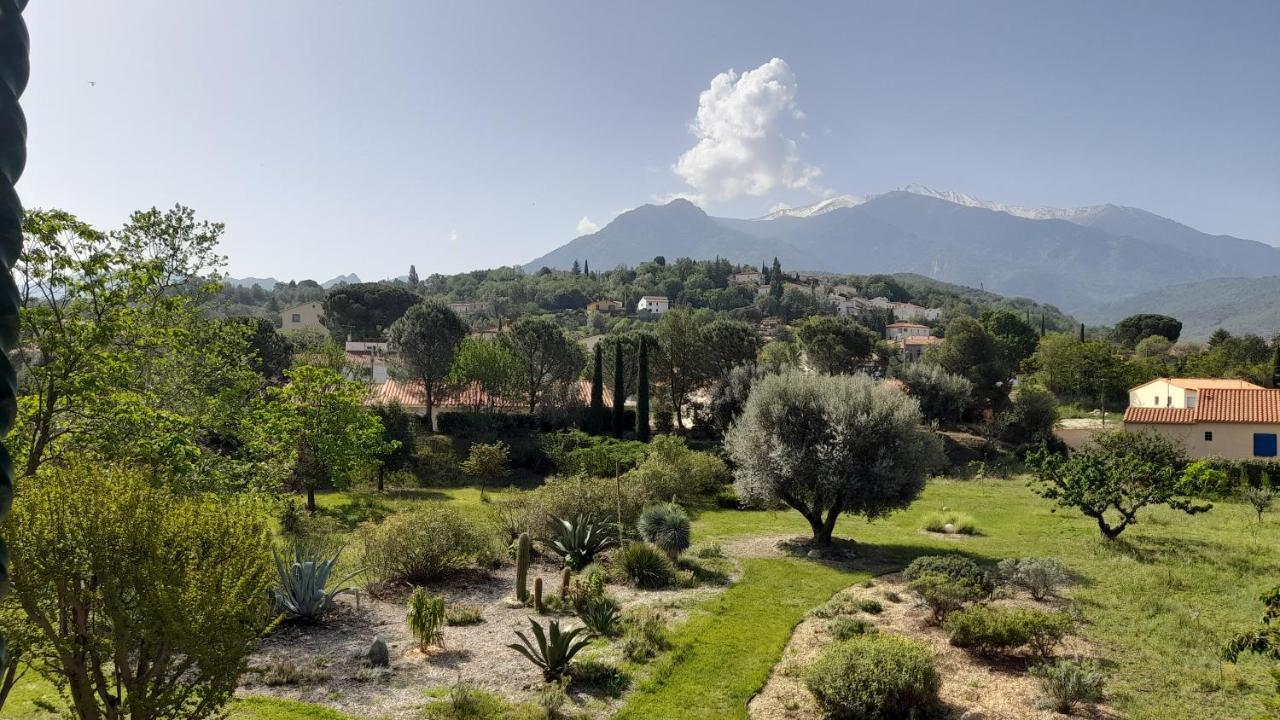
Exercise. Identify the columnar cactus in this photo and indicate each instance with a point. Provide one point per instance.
(537, 595)
(565, 575)
(524, 553)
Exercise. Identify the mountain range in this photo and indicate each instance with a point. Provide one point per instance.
(267, 283)
(1077, 258)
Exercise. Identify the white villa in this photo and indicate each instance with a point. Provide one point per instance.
(655, 304)
(302, 315)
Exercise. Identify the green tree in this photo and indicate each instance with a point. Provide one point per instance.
(487, 462)
(148, 603)
(365, 311)
(1130, 330)
(270, 352)
(829, 445)
(1114, 477)
(413, 277)
(619, 392)
(1015, 339)
(728, 344)
(642, 395)
(398, 440)
(488, 364)
(596, 420)
(117, 357)
(679, 359)
(427, 338)
(1084, 370)
(943, 396)
(971, 351)
(318, 419)
(544, 355)
(835, 345)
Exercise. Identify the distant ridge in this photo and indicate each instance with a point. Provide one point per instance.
(1075, 258)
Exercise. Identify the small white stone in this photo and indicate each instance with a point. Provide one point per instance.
(949, 528)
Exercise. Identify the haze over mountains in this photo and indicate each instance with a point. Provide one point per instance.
(1082, 259)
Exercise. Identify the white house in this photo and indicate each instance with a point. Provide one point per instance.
(1181, 392)
(911, 311)
(655, 304)
(302, 315)
(904, 330)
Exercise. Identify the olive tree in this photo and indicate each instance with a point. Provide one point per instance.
(828, 445)
(146, 602)
(1114, 477)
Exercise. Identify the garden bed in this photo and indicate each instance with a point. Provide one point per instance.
(972, 686)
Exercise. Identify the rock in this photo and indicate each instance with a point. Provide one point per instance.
(972, 715)
(379, 655)
(949, 529)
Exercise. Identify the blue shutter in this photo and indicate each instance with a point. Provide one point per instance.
(1264, 444)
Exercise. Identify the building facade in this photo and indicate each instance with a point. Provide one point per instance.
(1232, 423)
(302, 315)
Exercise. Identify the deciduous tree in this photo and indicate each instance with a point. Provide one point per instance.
(835, 345)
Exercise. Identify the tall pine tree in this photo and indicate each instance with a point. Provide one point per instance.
(642, 394)
(413, 276)
(596, 420)
(619, 392)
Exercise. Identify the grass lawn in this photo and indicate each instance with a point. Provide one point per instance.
(1159, 602)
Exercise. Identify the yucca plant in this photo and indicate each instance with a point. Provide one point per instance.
(426, 618)
(553, 650)
(580, 539)
(667, 527)
(303, 589)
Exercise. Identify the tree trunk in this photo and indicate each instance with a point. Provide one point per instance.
(821, 533)
(382, 471)
(1108, 532)
(429, 389)
(311, 498)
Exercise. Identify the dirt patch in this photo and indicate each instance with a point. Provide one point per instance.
(327, 661)
(998, 690)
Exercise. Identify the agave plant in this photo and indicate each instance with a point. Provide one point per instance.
(601, 617)
(302, 586)
(554, 650)
(579, 540)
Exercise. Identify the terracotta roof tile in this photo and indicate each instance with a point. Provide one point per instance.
(1213, 383)
(410, 394)
(1162, 416)
(1216, 406)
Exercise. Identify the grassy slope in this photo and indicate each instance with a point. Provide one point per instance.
(1159, 603)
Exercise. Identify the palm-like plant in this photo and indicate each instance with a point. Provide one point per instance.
(601, 617)
(667, 527)
(580, 539)
(303, 589)
(553, 650)
(426, 618)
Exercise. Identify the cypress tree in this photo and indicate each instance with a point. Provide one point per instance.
(595, 421)
(1041, 324)
(1081, 332)
(619, 392)
(586, 268)
(642, 394)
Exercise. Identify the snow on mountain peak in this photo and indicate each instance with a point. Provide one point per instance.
(839, 202)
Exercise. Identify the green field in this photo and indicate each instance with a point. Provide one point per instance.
(1159, 603)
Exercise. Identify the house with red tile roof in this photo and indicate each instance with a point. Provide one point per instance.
(1239, 423)
(1181, 392)
(470, 398)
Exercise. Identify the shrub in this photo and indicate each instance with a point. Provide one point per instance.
(673, 470)
(601, 617)
(960, 523)
(551, 650)
(943, 396)
(303, 589)
(995, 630)
(421, 545)
(645, 566)
(893, 596)
(645, 635)
(872, 607)
(1067, 683)
(463, 615)
(666, 526)
(843, 628)
(875, 677)
(426, 618)
(599, 675)
(955, 567)
(586, 589)
(577, 453)
(710, 552)
(145, 600)
(1039, 576)
(945, 595)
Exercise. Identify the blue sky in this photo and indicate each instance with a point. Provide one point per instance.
(362, 136)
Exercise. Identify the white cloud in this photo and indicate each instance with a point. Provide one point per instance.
(453, 236)
(743, 147)
(586, 227)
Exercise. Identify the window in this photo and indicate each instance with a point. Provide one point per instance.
(1264, 444)
(1208, 436)
(297, 317)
